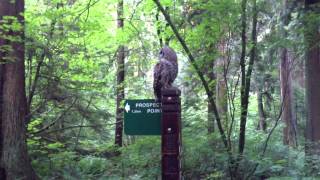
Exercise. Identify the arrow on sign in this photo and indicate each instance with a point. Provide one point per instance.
(127, 107)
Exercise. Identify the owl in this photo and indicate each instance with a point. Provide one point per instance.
(165, 71)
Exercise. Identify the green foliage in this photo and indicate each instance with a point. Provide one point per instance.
(93, 165)
(202, 158)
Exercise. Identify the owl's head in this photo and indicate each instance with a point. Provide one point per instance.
(168, 54)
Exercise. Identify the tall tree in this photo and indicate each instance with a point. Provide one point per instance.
(312, 66)
(244, 98)
(221, 86)
(120, 80)
(287, 116)
(246, 74)
(15, 162)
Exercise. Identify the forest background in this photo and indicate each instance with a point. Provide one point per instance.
(248, 70)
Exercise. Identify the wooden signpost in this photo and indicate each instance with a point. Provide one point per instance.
(171, 134)
(147, 117)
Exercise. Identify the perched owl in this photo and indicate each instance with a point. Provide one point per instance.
(165, 71)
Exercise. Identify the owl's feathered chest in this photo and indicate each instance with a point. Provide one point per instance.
(168, 68)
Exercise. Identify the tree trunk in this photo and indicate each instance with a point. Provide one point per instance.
(15, 162)
(221, 87)
(262, 90)
(244, 99)
(2, 170)
(262, 116)
(312, 64)
(246, 77)
(287, 116)
(212, 78)
(209, 70)
(120, 81)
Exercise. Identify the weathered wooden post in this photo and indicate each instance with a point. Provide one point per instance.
(171, 134)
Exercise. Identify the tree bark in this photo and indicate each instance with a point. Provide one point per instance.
(312, 38)
(2, 169)
(312, 66)
(15, 162)
(244, 99)
(120, 81)
(287, 116)
(246, 77)
(212, 78)
(262, 116)
(221, 86)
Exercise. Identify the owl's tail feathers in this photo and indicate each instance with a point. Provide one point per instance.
(158, 100)
(158, 96)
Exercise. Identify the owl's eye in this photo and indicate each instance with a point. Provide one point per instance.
(161, 53)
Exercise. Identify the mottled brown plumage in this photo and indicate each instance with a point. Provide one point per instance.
(165, 71)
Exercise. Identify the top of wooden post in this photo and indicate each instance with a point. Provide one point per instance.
(172, 91)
